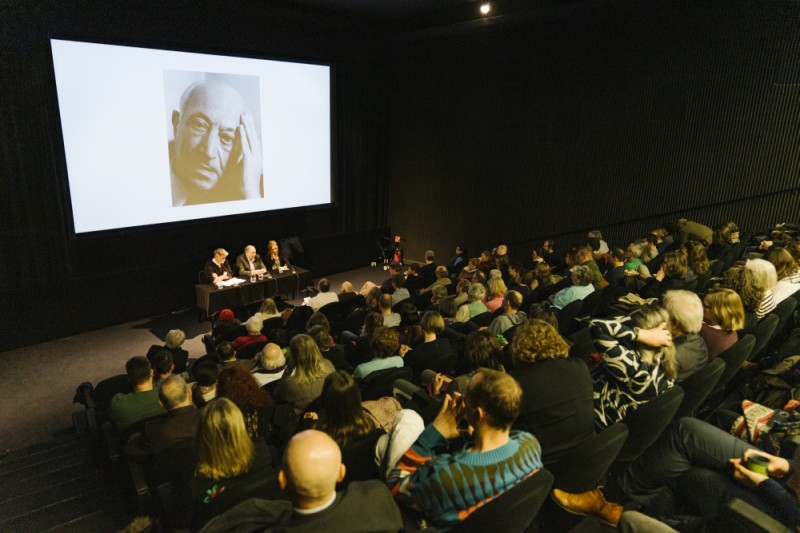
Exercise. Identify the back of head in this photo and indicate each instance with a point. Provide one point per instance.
(429, 255)
(686, 310)
(175, 338)
(306, 359)
(386, 301)
(581, 275)
(321, 336)
(432, 322)
(345, 418)
(448, 308)
(173, 392)
(254, 325)
(513, 299)
(226, 351)
(385, 342)
(782, 260)
(764, 274)
(536, 340)
(497, 288)
(162, 362)
(726, 306)
(476, 292)
(346, 287)
(399, 281)
(271, 357)
(318, 319)
(268, 307)
(498, 394)
(138, 370)
(441, 272)
(224, 448)
(483, 350)
(324, 285)
(312, 465)
(439, 292)
(675, 265)
(240, 387)
(206, 373)
(409, 316)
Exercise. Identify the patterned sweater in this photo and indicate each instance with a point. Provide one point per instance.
(626, 382)
(449, 487)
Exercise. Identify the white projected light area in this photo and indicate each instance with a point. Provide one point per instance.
(155, 136)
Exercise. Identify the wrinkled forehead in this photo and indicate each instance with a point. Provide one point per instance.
(218, 102)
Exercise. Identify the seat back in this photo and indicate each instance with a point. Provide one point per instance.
(333, 311)
(566, 315)
(581, 468)
(763, 333)
(590, 303)
(734, 357)
(232, 333)
(784, 312)
(698, 386)
(379, 384)
(275, 322)
(514, 510)
(107, 389)
(359, 459)
(648, 422)
(482, 319)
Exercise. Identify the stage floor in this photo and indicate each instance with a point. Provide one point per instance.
(40, 380)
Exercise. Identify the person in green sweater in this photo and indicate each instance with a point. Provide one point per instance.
(448, 487)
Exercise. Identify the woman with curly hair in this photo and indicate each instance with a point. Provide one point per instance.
(723, 316)
(303, 384)
(263, 419)
(639, 362)
(557, 390)
(228, 460)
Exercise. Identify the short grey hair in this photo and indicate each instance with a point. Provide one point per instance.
(172, 392)
(685, 308)
(175, 338)
(254, 324)
(582, 273)
(476, 292)
(429, 255)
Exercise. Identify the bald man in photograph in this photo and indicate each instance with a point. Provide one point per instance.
(312, 466)
(216, 153)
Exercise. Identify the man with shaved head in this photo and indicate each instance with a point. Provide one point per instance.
(312, 466)
(216, 152)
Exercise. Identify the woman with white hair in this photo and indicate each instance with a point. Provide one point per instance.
(476, 292)
(686, 313)
(172, 343)
(581, 287)
(764, 279)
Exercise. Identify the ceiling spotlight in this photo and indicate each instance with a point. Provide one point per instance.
(485, 8)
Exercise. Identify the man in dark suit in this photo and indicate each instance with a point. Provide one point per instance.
(218, 269)
(427, 272)
(180, 424)
(249, 263)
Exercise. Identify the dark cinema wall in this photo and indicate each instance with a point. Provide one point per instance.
(613, 117)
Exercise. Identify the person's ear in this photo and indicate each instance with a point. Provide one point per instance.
(176, 117)
(282, 479)
(481, 413)
(342, 472)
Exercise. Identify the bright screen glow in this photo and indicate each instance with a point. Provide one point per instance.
(156, 136)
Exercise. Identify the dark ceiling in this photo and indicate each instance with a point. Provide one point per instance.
(413, 15)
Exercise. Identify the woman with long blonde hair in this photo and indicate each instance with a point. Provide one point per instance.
(228, 459)
(303, 384)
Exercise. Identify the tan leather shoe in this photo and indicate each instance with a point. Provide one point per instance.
(591, 503)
